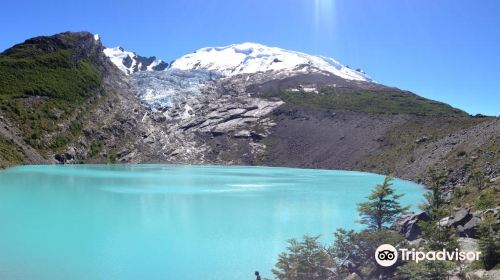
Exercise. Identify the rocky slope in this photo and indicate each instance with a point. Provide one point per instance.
(62, 100)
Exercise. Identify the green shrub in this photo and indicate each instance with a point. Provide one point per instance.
(461, 153)
(488, 198)
(9, 153)
(95, 148)
(305, 259)
(59, 142)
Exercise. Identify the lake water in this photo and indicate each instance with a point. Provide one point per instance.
(169, 221)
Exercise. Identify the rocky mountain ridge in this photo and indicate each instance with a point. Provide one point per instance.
(312, 119)
(130, 62)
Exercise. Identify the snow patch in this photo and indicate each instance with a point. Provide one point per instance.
(188, 112)
(117, 55)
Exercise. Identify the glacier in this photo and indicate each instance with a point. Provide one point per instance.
(163, 89)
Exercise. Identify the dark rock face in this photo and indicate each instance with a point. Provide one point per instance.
(469, 229)
(66, 40)
(67, 157)
(408, 224)
(147, 61)
(422, 139)
(142, 63)
(466, 223)
(127, 61)
(160, 67)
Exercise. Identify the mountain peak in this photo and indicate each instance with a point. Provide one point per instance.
(248, 57)
(130, 62)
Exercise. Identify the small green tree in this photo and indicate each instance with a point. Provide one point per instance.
(437, 237)
(489, 242)
(305, 259)
(434, 199)
(382, 208)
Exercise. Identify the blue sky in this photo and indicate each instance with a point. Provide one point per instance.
(447, 50)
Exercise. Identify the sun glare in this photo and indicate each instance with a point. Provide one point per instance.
(324, 11)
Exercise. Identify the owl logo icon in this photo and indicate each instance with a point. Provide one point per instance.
(386, 255)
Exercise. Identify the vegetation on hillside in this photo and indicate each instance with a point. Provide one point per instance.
(479, 192)
(405, 144)
(44, 89)
(489, 242)
(436, 237)
(376, 101)
(9, 153)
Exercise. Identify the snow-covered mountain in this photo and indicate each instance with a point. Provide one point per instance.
(130, 62)
(249, 58)
(243, 65)
(244, 58)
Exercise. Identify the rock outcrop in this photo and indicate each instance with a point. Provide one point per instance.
(408, 226)
(466, 222)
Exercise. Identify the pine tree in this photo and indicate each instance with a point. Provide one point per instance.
(434, 198)
(382, 208)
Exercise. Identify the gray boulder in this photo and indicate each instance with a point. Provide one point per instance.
(67, 157)
(407, 225)
(466, 223)
(422, 139)
(461, 217)
(243, 134)
(492, 211)
(469, 229)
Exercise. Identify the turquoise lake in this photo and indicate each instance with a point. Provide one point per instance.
(169, 221)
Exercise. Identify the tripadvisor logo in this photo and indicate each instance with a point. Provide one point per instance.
(386, 255)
